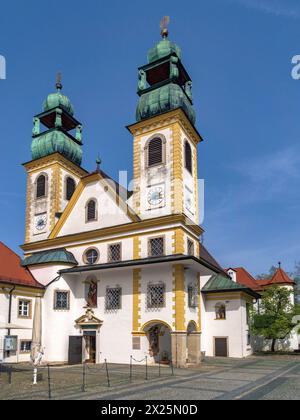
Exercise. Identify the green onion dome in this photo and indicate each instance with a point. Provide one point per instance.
(55, 100)
(56, 141)
(162, 49)
(163, 99)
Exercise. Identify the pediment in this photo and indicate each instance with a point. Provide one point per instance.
(88, 319)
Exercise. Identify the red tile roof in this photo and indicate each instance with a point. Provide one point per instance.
(279, 277)
(245, 278)
(11, 270)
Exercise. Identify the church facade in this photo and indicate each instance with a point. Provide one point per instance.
(124, 273)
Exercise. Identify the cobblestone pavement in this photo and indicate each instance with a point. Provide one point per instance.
(255, 378)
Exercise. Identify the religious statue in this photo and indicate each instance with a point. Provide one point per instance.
(79, 133)
(36, 127)
(174, 72)
(92, 295)
(154, 340)
(142, 83)
(188, 90)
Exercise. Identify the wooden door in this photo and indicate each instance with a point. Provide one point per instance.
(221, 347)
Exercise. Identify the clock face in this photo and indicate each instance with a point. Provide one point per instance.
(156, 196)
(41, 222)
(189, 200)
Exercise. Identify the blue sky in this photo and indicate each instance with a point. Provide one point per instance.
(238, 53)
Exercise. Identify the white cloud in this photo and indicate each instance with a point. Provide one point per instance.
(286, 8)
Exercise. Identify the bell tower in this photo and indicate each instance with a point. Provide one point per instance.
(164, 137)
(54, 171)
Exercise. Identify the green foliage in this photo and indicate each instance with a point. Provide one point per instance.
(276, 313)
(268, 276)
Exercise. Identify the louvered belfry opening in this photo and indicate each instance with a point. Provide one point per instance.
(41, 186)
(188, 156)
(155, 152)
(70, 188)
(91, 210)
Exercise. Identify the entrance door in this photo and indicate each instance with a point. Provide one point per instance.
(90, 346)
(221, 347)
(75, 350)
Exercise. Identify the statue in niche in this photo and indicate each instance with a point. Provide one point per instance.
(174, 72)
(142, 83)
(188, 90)
(154, 340)
(79, 133)
(92, 295)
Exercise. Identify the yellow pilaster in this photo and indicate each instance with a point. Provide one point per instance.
(177, 179)
(178, 241)
(136, 315)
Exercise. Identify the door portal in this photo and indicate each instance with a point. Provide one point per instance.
(75, 350)
(89, 353)
(221, 347)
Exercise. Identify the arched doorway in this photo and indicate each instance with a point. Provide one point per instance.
(158, 335)
(193, 343)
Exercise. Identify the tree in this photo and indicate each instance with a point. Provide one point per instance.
(274, 322)
(268, 276)
(296, 277)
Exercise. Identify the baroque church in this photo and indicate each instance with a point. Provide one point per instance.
(110, 273)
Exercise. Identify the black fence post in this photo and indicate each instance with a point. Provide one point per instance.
(146, 368)
(159, 366)
(107, 375)
(130, 375)
(10, 375)
(49, 383)
(172, 368)
(83, 377)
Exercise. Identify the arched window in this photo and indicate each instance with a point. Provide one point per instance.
(70, 188)
(91, 211)
(41, 186)
(155, 152)
(220, 311)
(188, 156)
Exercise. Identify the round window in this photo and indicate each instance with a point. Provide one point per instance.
(91, 256)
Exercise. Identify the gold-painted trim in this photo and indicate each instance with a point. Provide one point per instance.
(165, 120)
(114, 230)
(155, 321)
(179, 295)
(136, 299)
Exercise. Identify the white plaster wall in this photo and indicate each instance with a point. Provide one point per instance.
(232, 327)
(167, 240)
(102, 248)
(191, 277)
(21, 334)
(155, 275)
(109, 213)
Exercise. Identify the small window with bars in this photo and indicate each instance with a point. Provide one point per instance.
(25, 346)
(114, 252)
(156, 247)
(41, 186)
(192, 296)
(24, 310)
(70, 188)
(91, 211)
(155, 152)
(61, 300)
(156, 296)
(190, 247)
(113, 298)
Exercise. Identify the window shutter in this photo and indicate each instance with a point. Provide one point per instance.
(70, 188)
(41, 186)
(91, 210)
(188, 156)
(155, 155)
